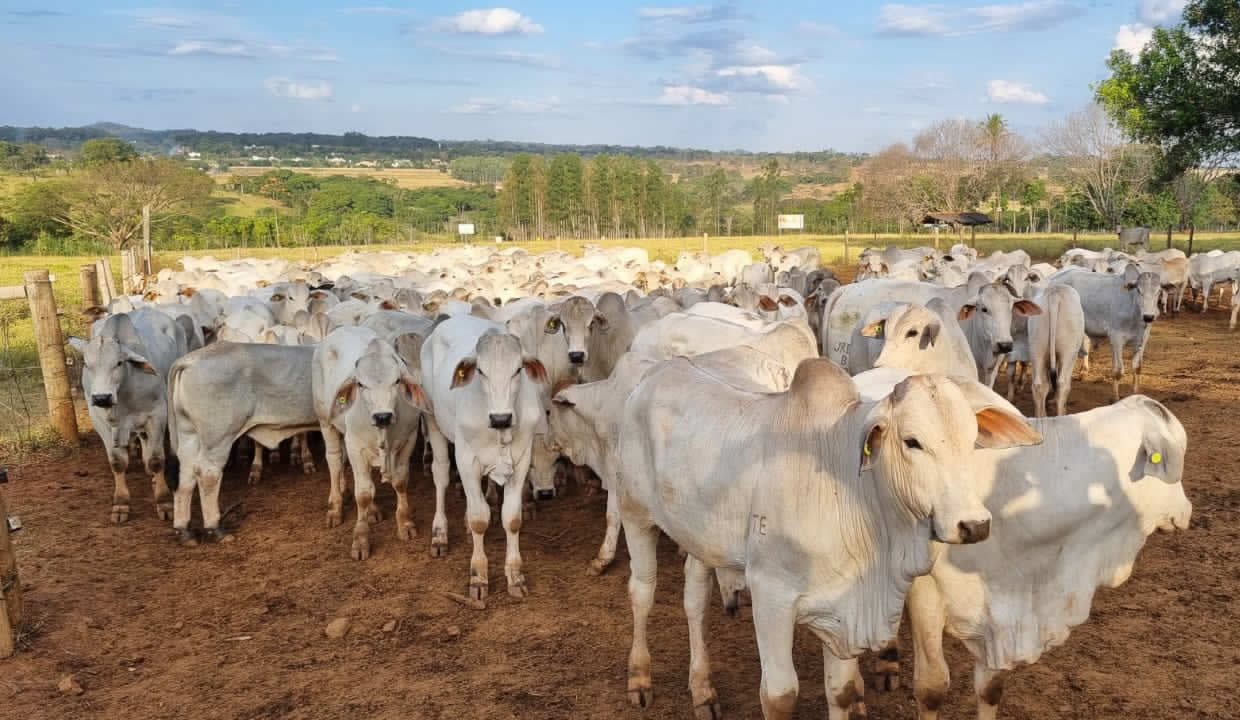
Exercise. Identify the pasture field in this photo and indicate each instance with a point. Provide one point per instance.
(236, 630)
(408, 178)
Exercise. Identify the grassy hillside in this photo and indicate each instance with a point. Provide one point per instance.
(409, 178)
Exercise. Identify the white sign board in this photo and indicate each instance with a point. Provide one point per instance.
(465, 228)
(791, 222)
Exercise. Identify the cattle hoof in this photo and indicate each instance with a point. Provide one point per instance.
(589, 489)
(597, 567)
(185, 537)
(120, 513)
(333, 518)
(308, 467)
(439, 543)
(163, 511)
(216, 535)
(360, 549)
(641, 697)
(478, 589)
(886, 676)
(406, 531)
(373, 515)
(518, 590)
(528, 511)
(255, 478)
(708, 710)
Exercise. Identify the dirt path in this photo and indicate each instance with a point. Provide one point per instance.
(235, 631)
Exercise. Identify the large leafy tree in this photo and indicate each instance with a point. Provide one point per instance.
(105, 151)
(1182, 92)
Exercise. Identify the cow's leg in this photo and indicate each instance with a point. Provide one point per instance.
(644, 564)
(118, 461)
(774, 620)
(440, 470)
(887, 667)
(1086, 348)
(1021, 369)
(1117, 364)
(405, 529)
(1138, 358)
(275, 454)
(511, 515)
(607, 551)
(696, 601)
(1041, 387)
(1235, 309)
(1206, 286)
(256, 467)
(931, 677)
(427, 454)
(477, 517)
(1011, 379)
(988, 687)
(543, 465)
(845, 687)
(153, 459)
(333, 441)
(306, 457)
(364, 497)
(209, 481)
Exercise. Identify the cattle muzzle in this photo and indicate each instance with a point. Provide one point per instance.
(102, 400)
(382, 419)
(1004, 347)
(1148, 318)
(501, 421)
(545, 494)
(576, 357)
(973, 531)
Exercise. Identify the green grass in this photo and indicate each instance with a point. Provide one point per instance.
(248, 205)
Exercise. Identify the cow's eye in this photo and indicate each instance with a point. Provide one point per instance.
(910, 334)
(912, 444)
(985, 310)
(277, 298)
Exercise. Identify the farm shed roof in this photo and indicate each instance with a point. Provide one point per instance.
(958, 218)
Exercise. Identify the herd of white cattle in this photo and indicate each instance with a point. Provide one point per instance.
(835, 450)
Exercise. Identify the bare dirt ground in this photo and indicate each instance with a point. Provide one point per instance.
(236, 631)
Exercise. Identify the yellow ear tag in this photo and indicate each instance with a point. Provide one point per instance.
(341, 400)
(460, 374)
(866, 449)
(1156, 458)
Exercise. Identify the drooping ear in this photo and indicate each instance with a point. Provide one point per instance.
(564, 395)
(884, 268)
(150, 296)
(930, 334)
(534, 368)
(464, 372)
(600, 322)
(553, 325)
(811, 302)
(345, 395)
(409, 348)
(318, 294)
(93, 313)
(1026, 308)
(871, 442)
(139, 362)
(966, 310)
(1164, 456)
(999, 424)
(1035, 278)
(787, 300)
(414, 392)
(187, 292)
(874, 329)
(766, 304)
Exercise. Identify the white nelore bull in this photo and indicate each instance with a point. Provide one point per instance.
(127, 360)
(221, 393)
(826, 502)
(1069, 516)
(484, 401)
(368, 401)
(1120, 308)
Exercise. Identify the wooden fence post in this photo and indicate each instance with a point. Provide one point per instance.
(10, 589)
(51, 354)
(89, 278)
(845, 246)
(107, 285)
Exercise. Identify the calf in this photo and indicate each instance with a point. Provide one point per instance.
(1055, 339)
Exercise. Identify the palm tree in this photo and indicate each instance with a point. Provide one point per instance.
(994, 131)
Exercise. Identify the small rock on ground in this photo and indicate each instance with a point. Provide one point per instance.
(337, 628)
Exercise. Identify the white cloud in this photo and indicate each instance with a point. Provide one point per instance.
(782, 77)
(689, 95)
(284, 87)
(494, 21)
(355, 108)
(1003, 91)
(214, 48)
(1133, 37)
(695, 14)
(1158, 12)
(941, 20)
(490, 106)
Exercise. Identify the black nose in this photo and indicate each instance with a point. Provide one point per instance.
(576, 357)
(382, 419)
(103, 400)
(546, 494)
(501, 421)
(1148, 318)
(972, 532)
(1004, 347)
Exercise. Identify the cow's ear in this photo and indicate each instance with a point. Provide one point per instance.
(787, 300)
(766, 304)
(966, 310)
(1127, 286)
(1035, 277)
(871, 442)
(464, 372)
(600, 322)
(999, 428)
(140, 363)
(930, 334)
(874, 329)
(414, 392)
(345, 395)
(1026, 308)
(534, 368)
(811, 302)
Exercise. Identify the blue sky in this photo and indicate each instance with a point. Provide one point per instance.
(792, 75)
